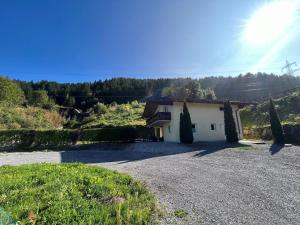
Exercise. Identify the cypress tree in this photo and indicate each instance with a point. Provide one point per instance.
(186, 132)
(277, 131)
(230, 127)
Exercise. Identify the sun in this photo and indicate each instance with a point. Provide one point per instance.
(270, 22)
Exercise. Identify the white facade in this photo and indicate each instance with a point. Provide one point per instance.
(207, 120)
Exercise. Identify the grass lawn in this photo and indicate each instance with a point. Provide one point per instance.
(73, 193)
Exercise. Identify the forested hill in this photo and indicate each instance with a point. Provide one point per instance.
(249, 87)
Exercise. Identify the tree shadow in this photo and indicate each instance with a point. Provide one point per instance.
(275, 148)
(209, 148)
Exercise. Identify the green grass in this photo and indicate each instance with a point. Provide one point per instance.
(180, 213)
(247, 148)
(72, 193)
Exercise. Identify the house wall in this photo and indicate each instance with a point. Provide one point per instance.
(202, 115)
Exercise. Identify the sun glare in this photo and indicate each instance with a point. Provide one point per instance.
(270, 22)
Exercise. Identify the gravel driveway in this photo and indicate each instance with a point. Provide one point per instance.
(213, 184)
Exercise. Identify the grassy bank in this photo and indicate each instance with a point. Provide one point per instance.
(73, 194)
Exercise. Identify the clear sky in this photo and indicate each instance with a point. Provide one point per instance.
(87, 40)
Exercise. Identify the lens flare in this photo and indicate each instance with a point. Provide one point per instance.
(270, 22)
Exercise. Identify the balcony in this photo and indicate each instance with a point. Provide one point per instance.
(159, 119)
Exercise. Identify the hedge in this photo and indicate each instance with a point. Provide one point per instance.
(291, 133)
(51, 138)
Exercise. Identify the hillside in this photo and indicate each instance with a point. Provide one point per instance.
(288, 108)
(112, 115)
(28, 117)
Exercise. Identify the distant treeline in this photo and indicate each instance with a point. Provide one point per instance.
(249, 87)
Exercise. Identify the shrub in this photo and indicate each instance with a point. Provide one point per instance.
(34, 138)
(10, 92)
(277, 131)
(186, 132)
(230, 127)
(29, 118)
(25, 139)
(100, 108)
(117, 134)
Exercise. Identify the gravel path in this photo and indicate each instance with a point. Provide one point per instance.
(213, 185)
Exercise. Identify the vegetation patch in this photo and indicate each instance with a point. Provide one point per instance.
(288, 109)
(114, 115)
(180, 213)
(43, 139)
(17, 117)
(247, 148)
(73, 194)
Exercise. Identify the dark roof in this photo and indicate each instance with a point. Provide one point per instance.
(153, 102)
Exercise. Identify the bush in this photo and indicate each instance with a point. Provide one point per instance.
(29, 118)
(34, 138)
(230, 127)
(26, 139)
(100, 108)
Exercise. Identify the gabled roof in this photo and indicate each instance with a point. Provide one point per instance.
(153, 102)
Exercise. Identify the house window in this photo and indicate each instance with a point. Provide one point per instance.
(169, 129)
(193, 127)
(213, 126)
(221, 108)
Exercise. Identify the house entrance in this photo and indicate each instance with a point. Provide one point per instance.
(159, 133)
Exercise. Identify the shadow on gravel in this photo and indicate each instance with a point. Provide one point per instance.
(275, 148)
(123, 153)
(209, 148)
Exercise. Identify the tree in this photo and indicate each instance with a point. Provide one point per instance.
(40, 98)
(230, 127)
(70, 101)
(10, 92)
(277, 131)
(186, 131)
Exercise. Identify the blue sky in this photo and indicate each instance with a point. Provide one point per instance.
(87, 40)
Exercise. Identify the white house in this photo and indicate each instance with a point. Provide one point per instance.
(207, 116)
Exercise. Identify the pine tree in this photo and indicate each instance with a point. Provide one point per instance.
(230, 127)
(186, 132)
(277, 131)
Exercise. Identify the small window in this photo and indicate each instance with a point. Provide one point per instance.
(193, 127)
(221, 108)
(213, 126)
(169, 129)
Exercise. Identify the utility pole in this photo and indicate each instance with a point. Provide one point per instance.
(288, 68)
